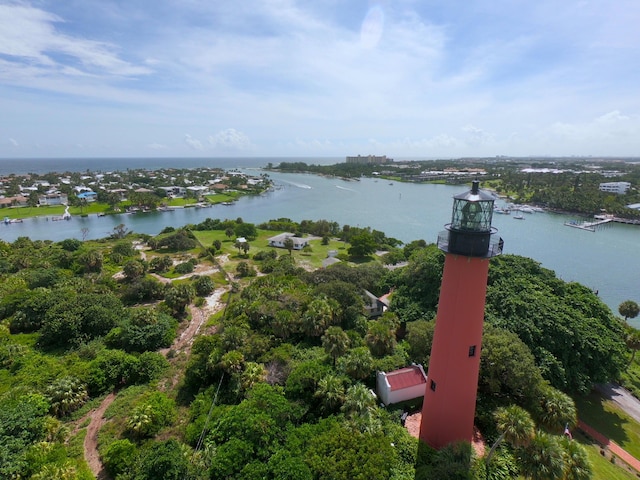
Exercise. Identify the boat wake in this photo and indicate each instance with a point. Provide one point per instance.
(299, 185)
(345, 188)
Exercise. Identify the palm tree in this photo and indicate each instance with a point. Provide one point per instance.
(381, 335)
(632, 339)
(331, 392)
(66, 395)
(288, 244)
(358, 400)
(92, 260)
(232, 362)
(335, 342)
(557, 409)
(66, 471)
(33, 200)
(543, 458)
(360, 408)
(576, 460)
(455, 461)
(253, 373)
(357, 363)
(141, 420)
(238, 245)
(516, 426)
(284, 324)
(318, 317)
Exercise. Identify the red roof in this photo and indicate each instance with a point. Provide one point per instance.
(405, 378)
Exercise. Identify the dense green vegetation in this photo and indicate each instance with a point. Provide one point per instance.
(277, 384)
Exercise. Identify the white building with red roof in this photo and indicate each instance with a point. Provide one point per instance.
(400, 385)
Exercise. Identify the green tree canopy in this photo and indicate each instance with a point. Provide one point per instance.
(574, 337)
(362, 244)
(629, 309)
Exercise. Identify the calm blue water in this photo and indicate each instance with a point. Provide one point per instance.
(607, 260)
(46, 165)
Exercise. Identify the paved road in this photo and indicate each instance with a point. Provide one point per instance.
(622, 398)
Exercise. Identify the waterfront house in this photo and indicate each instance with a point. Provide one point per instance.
(174, 191)
(88, 196)
(198, 190)
(401, 385)
(278, 241)
(17, 201)
(53, 199)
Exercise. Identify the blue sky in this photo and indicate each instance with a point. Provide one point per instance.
(405, 78)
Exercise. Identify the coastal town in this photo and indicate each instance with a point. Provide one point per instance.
(130, 191)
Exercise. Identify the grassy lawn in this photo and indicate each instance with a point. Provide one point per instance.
(223, 197)
(631, 378)
(28, 212)
(310, 260)
(179, 202)
(603, 468)
(97, 207)
(53, 210)
(608, 419)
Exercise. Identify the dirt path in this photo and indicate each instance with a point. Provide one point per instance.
(91, 455)
(199, 315)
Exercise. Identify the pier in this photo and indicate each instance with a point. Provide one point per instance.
(600, 220)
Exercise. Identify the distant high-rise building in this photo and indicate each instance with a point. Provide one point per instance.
(370, 159)
(452, 377)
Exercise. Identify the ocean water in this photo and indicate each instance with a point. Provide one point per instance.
(46, 165)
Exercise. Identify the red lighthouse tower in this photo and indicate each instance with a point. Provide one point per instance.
(450, 396)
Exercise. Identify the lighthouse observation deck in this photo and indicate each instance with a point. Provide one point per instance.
(470, 244)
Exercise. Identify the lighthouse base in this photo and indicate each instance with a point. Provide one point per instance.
(452, 377)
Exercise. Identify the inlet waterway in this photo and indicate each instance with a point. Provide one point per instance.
(607, 261)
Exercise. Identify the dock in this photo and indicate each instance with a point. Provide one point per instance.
(600, 220)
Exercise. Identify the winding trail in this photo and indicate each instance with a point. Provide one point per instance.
(182, 344)
(91, 455)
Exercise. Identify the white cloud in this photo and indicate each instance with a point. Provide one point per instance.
(29, 35)
(13, 142)
(229, 139)
(609, 125)
(307, 78)
(612, 118)
(372, 27)
(193, 143)
(157, 146)
(476, 136)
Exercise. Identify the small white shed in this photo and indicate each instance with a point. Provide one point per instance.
(400, 385)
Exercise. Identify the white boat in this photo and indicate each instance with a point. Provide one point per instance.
(518, 215)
